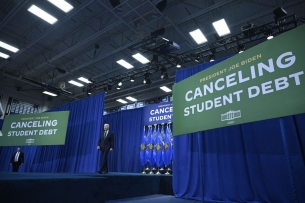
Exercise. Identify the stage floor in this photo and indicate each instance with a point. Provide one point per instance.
(80, 187)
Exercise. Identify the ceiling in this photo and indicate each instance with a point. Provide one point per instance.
(88, 40)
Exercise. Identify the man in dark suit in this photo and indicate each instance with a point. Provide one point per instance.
(105, 145)
(17, 160)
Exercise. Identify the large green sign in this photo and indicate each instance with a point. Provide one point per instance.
(35, 129)
(266, 81)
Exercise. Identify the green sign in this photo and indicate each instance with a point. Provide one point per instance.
(264, 82)
(35, 129)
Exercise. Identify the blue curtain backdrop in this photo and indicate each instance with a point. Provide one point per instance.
(79, 154)
(128, 129)
(254, 162)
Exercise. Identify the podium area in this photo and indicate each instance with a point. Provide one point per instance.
(80, 187)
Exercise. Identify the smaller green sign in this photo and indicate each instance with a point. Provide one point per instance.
(35, 129)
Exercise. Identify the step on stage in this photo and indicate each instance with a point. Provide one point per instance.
(80, 187)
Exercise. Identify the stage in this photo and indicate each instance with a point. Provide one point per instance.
(80, 187)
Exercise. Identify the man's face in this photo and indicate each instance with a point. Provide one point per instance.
(18, 149)
(106, 127)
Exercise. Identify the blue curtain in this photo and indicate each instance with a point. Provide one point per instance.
(254, 162)
(79, 154)
(127, 128)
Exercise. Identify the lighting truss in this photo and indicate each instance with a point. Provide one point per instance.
(222, 45)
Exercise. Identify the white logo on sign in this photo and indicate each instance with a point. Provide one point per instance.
(230, 115)
(29, 141)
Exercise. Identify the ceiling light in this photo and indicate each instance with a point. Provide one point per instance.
(50, 93)
(165, 89)
(75, 83)
(8, 47)
(140, 58)
(42, 14)
(125, 64)
(122, 101)
(61, 4)
(221, 27)
(120, 84)
(131, 98)
(84, 80)
(4, 55)
(132, 79)
(198, 36)
(118, 87)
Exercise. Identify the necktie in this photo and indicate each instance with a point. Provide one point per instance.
(105, 134)
(16, 157)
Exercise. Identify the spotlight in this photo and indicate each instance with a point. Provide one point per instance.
(120, 84)
(198, 58)
(241, 48)
(212, 57)
(147, 79)
(131, 79)
(164, 74)
(248, 29)
(118, 87)
(269, 34)
(105, 89)
(278, 14)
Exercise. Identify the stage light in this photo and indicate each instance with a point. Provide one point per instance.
(241, 48)
(132, 79)
(278, 14)
(147, 79)
(198, 58)
(269, 34)
(212, 57)
(164, 74)
(120, 84)
(105, 89)
(118, 87)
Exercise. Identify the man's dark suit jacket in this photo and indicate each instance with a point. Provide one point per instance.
(20, 158)
(107, 143)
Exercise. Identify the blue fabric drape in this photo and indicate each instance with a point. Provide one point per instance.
(128, 129)
(79, 154)
(254, 162)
